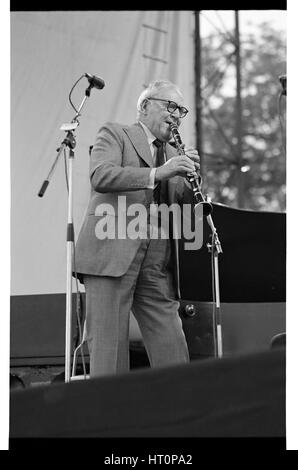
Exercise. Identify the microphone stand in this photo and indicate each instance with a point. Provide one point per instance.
(70, 143)
(215, 249)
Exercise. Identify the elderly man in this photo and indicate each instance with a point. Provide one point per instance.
(136, 164)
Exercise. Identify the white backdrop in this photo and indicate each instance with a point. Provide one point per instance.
(49, 52)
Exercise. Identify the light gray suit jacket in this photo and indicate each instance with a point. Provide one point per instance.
(120, 165)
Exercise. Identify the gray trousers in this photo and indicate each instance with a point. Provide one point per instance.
(147, 290)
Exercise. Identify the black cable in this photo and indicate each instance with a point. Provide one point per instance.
(232, 39)
(219, 31)
(218, 73)
(70, 93)
(218, 77)
(79, 316)
(220, 128)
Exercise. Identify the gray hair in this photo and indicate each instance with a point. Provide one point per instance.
(152, 89)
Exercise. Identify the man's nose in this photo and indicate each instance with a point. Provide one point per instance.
(176, 114)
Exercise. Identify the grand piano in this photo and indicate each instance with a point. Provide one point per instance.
(252, 278)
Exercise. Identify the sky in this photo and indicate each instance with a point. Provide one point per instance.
(223, 20)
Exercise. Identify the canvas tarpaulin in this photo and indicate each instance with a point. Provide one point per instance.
(49, 52)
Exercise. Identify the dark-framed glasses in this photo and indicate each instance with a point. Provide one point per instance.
(172, 106)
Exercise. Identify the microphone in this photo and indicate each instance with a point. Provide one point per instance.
(97, 82)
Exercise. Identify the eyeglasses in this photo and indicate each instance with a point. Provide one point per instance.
(172, 106)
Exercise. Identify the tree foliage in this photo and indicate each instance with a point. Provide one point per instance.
(263, 161)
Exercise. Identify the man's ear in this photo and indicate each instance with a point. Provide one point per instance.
(143, 107)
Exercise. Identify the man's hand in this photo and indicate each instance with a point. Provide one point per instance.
(194, 156)
(179, 166)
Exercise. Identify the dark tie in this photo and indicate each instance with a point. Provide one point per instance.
(158, 162)
(159, 154)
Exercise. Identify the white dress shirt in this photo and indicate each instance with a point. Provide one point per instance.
(151, 138)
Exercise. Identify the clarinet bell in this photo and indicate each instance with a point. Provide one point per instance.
(202, 208)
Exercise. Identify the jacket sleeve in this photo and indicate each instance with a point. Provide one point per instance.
(108, 171)
(183, 190)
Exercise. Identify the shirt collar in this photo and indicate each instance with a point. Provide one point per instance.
(150, 137)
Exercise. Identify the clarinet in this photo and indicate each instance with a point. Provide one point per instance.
(194, 179)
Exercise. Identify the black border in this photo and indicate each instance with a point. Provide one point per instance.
(93, 5)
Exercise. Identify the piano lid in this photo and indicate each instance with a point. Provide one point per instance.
(252, 267)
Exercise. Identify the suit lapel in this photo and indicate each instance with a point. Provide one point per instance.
(138, 139)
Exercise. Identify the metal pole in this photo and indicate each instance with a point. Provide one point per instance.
(215, 249)
(198, 92)
(238, 127)
(69, 254)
